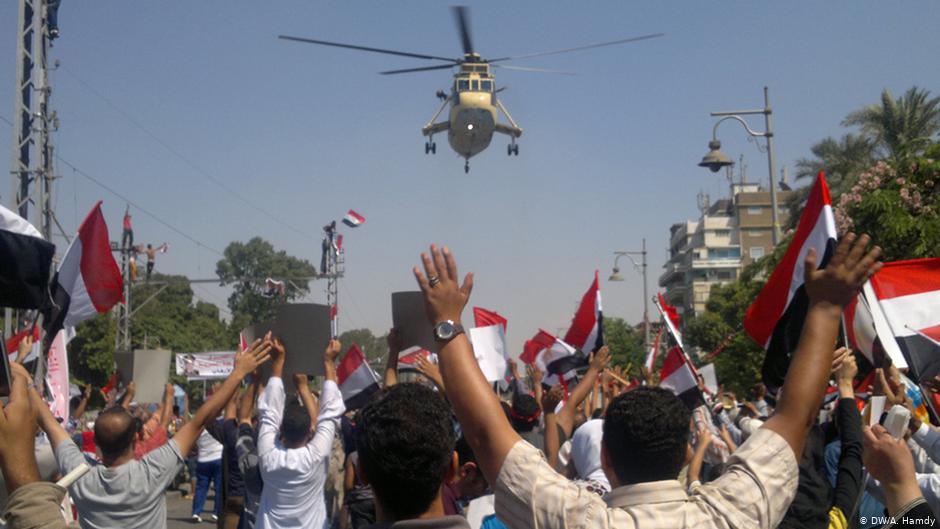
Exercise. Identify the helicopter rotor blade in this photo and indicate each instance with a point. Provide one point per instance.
(527, 69)
(424, 69)
(366, 48)
(463, 26)
(578, 48)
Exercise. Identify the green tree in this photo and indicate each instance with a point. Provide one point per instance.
(374, 347)
(245, 267)
(897, 203)
(902, 127)
(625, 343)
(842, 160)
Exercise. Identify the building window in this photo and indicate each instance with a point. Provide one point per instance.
(725, 275)
(722, 233)
(755, 210)
(757, 252)
(755, 233)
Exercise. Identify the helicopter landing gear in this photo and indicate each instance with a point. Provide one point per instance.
(466, 166)
(512, 148)
(430, 147)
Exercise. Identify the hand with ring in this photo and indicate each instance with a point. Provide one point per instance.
(444, 297)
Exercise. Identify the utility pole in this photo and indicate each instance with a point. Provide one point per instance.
(335, 260)
(32, 126)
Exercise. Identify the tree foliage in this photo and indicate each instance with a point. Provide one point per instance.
(901, 127)
(374, 347)
(246, 265)
(624, 341)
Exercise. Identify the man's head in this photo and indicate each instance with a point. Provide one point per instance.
(149, 247)
(116, 430)
(295, 427)
(524, 412)
(405, 441)
(470, 480)
(646, 432)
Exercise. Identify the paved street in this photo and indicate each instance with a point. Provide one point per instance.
(179, 510)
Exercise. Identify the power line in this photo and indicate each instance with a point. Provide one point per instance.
(137, 206)
(179, 155)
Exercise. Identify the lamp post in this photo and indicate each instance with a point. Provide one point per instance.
(715, 159)
(640, 267)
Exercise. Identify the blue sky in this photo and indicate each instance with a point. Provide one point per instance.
(607, 158)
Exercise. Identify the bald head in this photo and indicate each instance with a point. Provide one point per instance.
(115, 431)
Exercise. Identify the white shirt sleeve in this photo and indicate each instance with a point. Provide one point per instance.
(929, 485)
(929, 439)
(331, 409)
(271, 410)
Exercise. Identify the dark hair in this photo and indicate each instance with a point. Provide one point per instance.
(464, 452)
(405, 441)
(176, 409)
(525, 412)
(116, 438)
(296, 423)
(646, 432)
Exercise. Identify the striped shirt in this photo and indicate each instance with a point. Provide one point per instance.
(753, 493)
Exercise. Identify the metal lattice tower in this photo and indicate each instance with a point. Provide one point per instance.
(33, 123)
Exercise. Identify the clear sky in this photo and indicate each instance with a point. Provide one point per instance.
(607, 158)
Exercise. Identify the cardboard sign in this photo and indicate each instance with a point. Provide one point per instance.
(489, 348)
(304, 328)
(148, 368)
(411, 320)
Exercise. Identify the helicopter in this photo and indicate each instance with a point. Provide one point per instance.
(473, 101)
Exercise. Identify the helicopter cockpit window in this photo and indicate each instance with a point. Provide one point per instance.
(486, 86)
(463, 85)
(475, 85)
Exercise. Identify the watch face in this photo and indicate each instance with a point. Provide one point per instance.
(444, 330)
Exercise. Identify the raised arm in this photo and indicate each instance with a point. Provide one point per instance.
(245, 362)
(596, 365)
(549, 402)
(535, 376)
(247, 403)
(829, 291)
(83, 404)
(331, 405)
(128, 396)
(167, 410)
(306, 396)
(18, 431)
(698, 457)
(391, 364)
(476, 405)
(24, 347)
(430, 370)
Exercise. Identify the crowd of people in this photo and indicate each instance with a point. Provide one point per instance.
(448, 452)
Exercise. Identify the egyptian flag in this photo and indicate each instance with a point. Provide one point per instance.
(409, 357)
(485, 318)
(357, 381)
(651, 355)
(353, 219)
(587, 328)
(27, 261)
(677, 376)
(88, 280)
(775, 319)
(552, 356)
(13, 345)
(671, 318)
(907, 295)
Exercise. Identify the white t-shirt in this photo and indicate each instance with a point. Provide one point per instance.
(209, 448)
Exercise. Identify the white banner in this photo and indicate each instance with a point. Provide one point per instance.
(57, 376)
(205, 366)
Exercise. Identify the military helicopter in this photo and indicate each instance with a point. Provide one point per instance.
(474, 107)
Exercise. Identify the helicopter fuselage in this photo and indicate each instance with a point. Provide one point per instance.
(472, 122)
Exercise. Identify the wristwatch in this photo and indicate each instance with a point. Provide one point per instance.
(447, 330)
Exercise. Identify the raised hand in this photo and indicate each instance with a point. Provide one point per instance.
(599, 360)
(257, 353)
(18, 427)
(535, 374)
(513, 368)
(551, 398)
(839, 356)
(846, 371)
(25, 346)
(444, 298)
(394, 341)
(332, 351)
(889, 460)
(851, 265)
(430, 370)
(300, 381)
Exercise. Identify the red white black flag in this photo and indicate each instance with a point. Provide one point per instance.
(671, 318)
(677, 376)
(587, 328)
(551, 355)
(356, 380)
(775, 319)
(88, 280)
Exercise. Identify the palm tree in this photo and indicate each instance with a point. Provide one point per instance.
(841, 160)
(903, 126)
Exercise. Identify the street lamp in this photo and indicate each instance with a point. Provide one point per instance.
(641, 268)
(715, 159)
